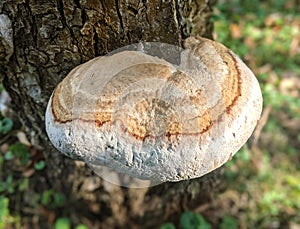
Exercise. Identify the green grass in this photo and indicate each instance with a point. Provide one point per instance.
(264, 34)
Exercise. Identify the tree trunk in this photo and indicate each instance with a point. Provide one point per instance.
(48, 39)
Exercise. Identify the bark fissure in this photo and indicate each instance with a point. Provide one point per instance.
(33, 28)
(60, 8)
(96, 43)
(178, 22)
(145, 5)
(83, 12)
(121, 26)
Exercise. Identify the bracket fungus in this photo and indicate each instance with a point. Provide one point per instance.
(152, 112)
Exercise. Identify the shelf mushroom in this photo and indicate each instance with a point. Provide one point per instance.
(155, 113)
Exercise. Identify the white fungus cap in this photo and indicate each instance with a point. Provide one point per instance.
(152, 121)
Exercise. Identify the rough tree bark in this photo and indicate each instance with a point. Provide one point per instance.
(49, 38)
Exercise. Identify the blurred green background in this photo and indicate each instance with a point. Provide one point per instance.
(263, 179)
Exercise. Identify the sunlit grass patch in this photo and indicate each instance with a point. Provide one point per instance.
(266, 35)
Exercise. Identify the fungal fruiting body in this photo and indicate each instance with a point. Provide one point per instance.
(156, 117)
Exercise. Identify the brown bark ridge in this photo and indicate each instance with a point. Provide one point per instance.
(45, 40)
